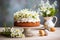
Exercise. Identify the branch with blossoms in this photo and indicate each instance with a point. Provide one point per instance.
(12, 32)
(47, 9)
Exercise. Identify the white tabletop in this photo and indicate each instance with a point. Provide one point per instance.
(51, 36)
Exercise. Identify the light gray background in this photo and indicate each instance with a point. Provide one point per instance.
(9, 7)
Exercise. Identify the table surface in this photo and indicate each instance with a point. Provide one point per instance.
(51, 36)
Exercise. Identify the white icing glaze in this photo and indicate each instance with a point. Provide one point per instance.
(28, 20)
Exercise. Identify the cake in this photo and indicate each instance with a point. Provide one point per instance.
(26, 18)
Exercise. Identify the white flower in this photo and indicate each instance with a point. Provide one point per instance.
(15, 32)
(12, 35)
(12, 29)
(6, 29)
(21, 35)
(55, 3)
(43, 8)
(48, 12)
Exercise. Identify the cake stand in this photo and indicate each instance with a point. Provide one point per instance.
(32, 31)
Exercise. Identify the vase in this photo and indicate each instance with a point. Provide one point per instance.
(48, 23)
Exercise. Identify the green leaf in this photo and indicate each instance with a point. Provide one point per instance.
(44, 14)
(33, 17)
(52, 12)
(6, 33)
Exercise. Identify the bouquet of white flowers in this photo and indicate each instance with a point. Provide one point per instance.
(47, 9)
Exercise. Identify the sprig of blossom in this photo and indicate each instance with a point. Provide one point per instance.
(47, 9)
(13, 32)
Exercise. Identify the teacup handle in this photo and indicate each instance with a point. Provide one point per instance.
(55, 18)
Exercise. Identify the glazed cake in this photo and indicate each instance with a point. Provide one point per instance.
(26, 18)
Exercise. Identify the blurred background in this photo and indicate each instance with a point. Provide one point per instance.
(9, 7)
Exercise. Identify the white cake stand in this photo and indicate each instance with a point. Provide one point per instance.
(32, 31)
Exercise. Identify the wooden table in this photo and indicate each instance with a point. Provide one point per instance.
(51, 36)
